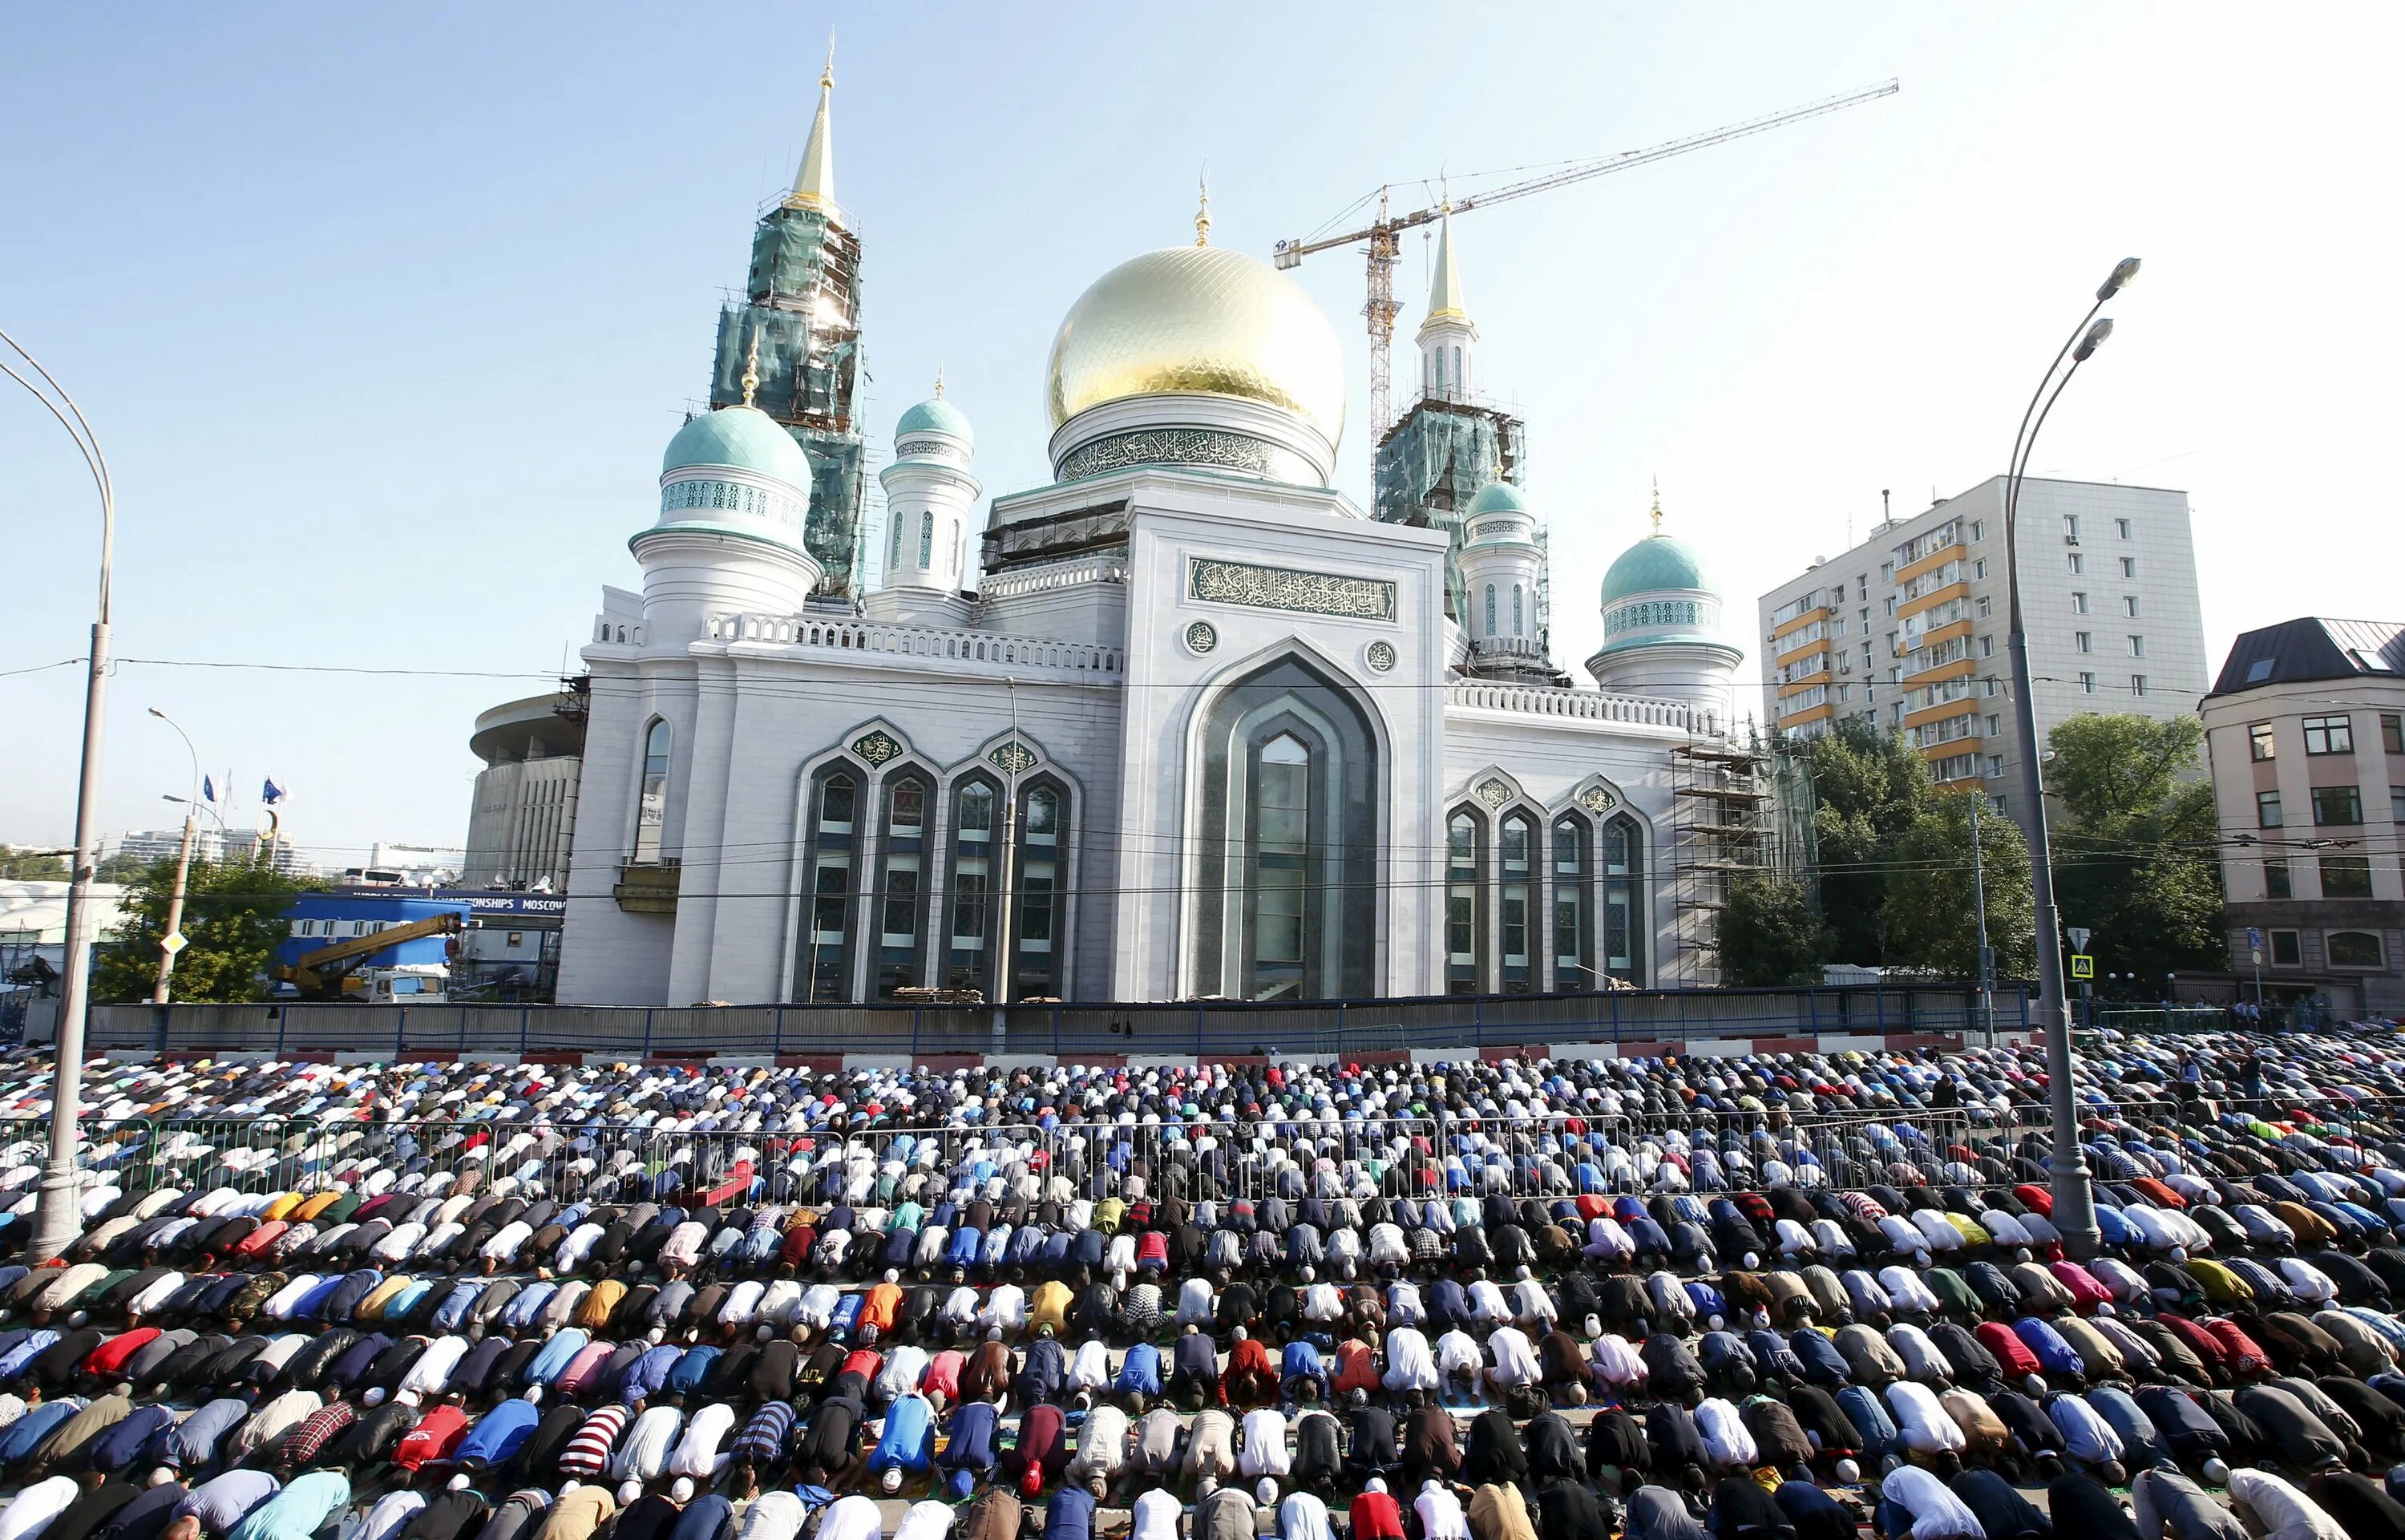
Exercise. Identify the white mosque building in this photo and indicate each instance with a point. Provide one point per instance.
(1183, 722)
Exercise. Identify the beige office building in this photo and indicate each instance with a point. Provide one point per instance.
(1908, 629)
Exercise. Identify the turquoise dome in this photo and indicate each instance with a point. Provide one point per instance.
(741, 438)
(1653, 565)
(1496, 496)
(937, 415)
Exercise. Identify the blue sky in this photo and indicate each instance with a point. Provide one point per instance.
(384, 313)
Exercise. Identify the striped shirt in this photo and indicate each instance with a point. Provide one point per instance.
(761, 1445)
(588, 1452)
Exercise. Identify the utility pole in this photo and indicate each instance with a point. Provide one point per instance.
(1979, 904)
(58, 1219)
(172, 941)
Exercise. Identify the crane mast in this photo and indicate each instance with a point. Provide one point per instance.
(1382, 235)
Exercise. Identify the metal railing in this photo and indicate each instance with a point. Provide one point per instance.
(1205, 1028)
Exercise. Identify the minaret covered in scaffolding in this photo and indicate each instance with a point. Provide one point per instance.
(802, 304)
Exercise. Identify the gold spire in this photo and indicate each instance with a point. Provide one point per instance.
(814, 184)
(1657, 508)
(939, 382)
(1203, 212)
(752, 368)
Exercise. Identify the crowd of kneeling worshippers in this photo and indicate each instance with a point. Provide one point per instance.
(1662, 1298)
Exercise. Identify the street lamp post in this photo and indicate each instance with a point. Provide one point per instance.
(2075, 1198)
(57, 1219)
(173, 941)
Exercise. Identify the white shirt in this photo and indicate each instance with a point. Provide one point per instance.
(1102, 1442)
(1725, 1435)
(1515, 1361)
(1264, 1452)
(927, 1521)
(1303, 1517)
(32, 1508)
(1937, 1514)
(391, 1511)
(1927, 1428)
(1440, 1513)
(853, 1518)
(1409, 1367)
(696, 1453)
(1157, 1515)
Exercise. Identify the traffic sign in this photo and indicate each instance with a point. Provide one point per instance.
(2078, 935)
(173, 942)
(2082, 965)
(2254, 940)
(2256, 954)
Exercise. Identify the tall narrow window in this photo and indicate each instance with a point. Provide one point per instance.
(1624, 900)
(1490, 609)
(826, 939)
(1517, 844)
(901, 887)
(1519, 620)
(1457, 384)
(1280, 866)
(970, 907)
(1035, 906)
(1465, 913)
(926, 538)
(651, 804)
(954, 565)
(1573, 930)
(894, 560)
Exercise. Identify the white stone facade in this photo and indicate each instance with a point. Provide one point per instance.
(1201, 729)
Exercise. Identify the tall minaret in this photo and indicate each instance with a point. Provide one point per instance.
(1448, 341)
(802, 303)
(814, 183)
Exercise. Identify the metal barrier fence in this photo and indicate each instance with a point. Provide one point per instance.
(1203, 1028)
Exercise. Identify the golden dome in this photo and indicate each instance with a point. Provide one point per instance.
(1198, 320)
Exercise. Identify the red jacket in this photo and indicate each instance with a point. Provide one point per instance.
(437, 1434)
(109, 1360)
(2009, 1350)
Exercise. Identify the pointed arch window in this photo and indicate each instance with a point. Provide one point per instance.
(652, 799)
(926, 538)
(1465, 903)
(969, 907)
(1490, 610)
(1516, 844)
(1624, 900)
(893, 561)
(1286, 855)
(901, 905)
(1039, 935)
(1519, 616)
(1459, 384)
(1573, 915)
(827, 907)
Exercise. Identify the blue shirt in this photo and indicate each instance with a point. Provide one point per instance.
(498, 1434)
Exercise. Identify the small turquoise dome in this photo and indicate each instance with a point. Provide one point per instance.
(936, 415)
(1653, 565)
(742, 438)
(1496, 496)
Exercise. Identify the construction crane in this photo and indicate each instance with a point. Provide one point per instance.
(1384, 248)
(319, 975)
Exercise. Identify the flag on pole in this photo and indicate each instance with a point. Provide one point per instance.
(270, 793)
(208, 789)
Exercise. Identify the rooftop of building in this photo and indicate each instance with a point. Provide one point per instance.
(2312, 647)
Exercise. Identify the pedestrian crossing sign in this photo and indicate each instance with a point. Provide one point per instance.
(2082, 965)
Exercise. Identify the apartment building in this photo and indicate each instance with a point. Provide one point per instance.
(2305, 727)
(1907, 631)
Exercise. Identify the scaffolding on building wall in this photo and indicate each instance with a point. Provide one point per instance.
(1429, 465)
(1722, 798)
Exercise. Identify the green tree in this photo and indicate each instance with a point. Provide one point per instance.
(21, 864)
(1770, 934)
(2135, 858)
(1930, 917)
(233, 915)
(1867, 792)
(120, 867)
